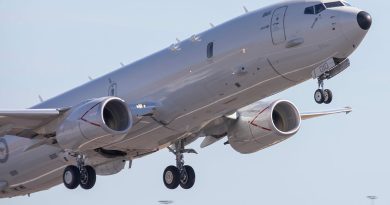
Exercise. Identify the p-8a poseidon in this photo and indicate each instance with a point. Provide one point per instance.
(207, 86)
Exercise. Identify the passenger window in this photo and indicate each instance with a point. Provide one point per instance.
(319, 8)
(210, 50)
(334, 4)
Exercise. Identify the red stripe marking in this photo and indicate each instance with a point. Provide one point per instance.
(259, 114)
(92, 123)
(256, 125)
(264, 128)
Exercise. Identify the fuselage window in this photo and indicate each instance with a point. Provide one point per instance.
(334, 4)
(210, 50)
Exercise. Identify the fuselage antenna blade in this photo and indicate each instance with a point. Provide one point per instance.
(245, 9)
(40, 98)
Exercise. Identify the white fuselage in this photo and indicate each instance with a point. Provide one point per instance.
(253, 56)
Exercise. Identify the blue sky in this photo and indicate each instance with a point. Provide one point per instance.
(48, 47)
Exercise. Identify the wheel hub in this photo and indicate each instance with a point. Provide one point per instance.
(318, 96)
(169, 177)
(68, 177)
(183, 178)
(326, 96)
(84, 176)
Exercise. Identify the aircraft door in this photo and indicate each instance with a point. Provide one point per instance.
(277, 25)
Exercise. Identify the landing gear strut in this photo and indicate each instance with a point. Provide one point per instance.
(321, 95)
(183, 175)
(83, 175)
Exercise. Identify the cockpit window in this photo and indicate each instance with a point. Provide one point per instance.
(309, 10)
(319, 8)
(347, 4)
(316, 9)
(334, 4)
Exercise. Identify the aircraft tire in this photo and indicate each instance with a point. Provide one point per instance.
(90, 178)
(328, 96)
(189, 182)
(71, 177)
(319, 96)
(171, 177)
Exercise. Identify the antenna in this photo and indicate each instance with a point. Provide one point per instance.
(40, 98)
(174, 47)
(195, 38)
(245, 9)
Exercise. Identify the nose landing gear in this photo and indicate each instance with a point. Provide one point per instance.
(326, 71)
(183, 175)
(321, 95)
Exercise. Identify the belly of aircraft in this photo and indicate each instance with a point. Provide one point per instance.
(253, 81)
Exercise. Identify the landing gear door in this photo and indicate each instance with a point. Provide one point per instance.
(277, 25)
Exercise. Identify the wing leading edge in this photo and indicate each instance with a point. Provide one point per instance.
(310, 115)
(17, 121)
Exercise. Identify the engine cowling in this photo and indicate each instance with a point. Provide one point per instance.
(94, 123)
(262, 125)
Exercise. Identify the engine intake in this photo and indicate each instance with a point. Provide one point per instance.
(115, 115)
(95, 123)
(285, 118)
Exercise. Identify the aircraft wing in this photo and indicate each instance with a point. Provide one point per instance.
(310, 115)
(18, 121)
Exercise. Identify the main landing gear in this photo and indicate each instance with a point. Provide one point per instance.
(321, 95)
(83, 175)
(183, 175)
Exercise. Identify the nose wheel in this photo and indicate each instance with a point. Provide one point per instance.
(183, 175)
(322, 95)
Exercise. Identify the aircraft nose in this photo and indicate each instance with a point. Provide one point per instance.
(364, 20)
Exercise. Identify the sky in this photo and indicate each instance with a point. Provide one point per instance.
(48, 47)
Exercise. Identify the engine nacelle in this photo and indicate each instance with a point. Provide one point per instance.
(262, 125)
(95, 123)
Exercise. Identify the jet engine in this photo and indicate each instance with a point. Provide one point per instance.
(94, 123)
(262, 125)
